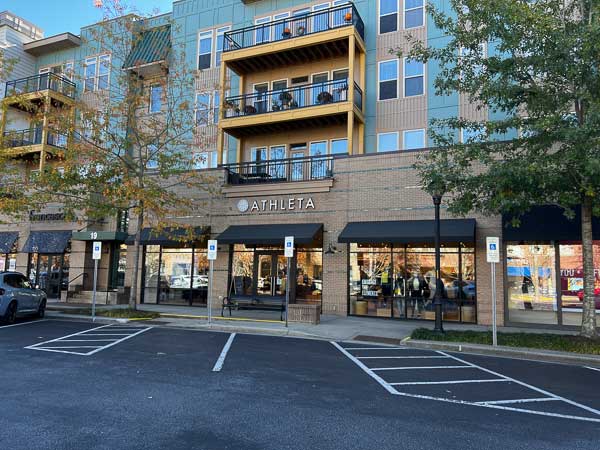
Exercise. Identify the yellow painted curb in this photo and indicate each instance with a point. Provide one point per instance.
(233, 319)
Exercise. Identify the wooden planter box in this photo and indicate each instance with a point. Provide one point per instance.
(304, 313)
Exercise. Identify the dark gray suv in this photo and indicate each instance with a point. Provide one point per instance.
(19, 298)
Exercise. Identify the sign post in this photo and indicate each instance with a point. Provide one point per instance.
(96, 255)
(493, 257)
(212, 256)
(289, 254)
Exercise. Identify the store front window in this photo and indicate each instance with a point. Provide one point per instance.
(8, 262)
(399, 282)
(175, 276)
(261, 272)
(50, 272)
(531, 283)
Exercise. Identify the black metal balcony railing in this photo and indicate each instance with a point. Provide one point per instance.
(280, 170)
(33, 136)
(41, 82)
(295, 26)
(315, 94)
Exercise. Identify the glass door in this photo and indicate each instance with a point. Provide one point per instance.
(270, 274)
(260, 98)
(297, 151)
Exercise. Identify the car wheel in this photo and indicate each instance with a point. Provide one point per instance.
(42, 309)
(11, 313)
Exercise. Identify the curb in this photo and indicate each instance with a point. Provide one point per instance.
(507, 352)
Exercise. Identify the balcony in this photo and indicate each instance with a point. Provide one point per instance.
(33, 88)
(315, 104)
(268, 172)
(31, 140)
(294, 40)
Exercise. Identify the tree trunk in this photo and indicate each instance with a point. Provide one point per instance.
(588, 319)
(136, 260)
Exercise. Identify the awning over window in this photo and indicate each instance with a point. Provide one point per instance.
(47, 242)
(408, 231)
(547, 223)
(7, 241)
(152, 47)
(172, 236)
(272, 234)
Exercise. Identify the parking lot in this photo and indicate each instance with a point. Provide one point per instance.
(76, 385)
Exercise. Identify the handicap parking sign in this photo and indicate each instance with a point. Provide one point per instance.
(493, 249)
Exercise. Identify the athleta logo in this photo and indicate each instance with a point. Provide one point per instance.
(291, 204)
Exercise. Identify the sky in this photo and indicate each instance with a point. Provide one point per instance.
(59, 16)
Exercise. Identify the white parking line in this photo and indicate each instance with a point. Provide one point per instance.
(219, 364)
(82, 337)
(593, 368)
(422, 368)
(376, 348)
(401, 357)
(24, 323)
(501, 404)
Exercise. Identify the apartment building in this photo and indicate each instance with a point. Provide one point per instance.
(311, 128)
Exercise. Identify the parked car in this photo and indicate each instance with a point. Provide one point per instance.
(580, 297)
(19, 298)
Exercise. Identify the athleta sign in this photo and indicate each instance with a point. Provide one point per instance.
(264, 205)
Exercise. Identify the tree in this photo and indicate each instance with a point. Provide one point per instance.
(129, 145)
(533, 66)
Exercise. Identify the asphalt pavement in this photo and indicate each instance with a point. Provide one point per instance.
(78, 385)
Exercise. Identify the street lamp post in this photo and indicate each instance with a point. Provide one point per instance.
(437, 299)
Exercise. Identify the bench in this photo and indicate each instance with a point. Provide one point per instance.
(272, 303)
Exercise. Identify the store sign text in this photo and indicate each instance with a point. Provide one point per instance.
(264, 205)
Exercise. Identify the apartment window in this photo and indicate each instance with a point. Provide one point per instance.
(205, 160)
(216, 106)
(220, 44)
(262, 34)
(468, 135)
(413, 78)
(388, 16)
(202, 108)
(151, 157)
(205, 50)
(156, 93)
(96, 73)
(89, 72)
(339, 146)
(387, 142)
(413, 13)
(388, 79)
(414, 139)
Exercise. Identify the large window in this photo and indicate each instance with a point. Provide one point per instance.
(387, 142)
(220, 44)
(388, 16)
(413, 78)
(205, 46)
(414, 13)
(96, 73)
(388, 79)
(414, 139)
(202, 109)
(531, 283)
(399, 282)
(156, 97)
(177, 276)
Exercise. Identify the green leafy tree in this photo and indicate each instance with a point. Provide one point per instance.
(130, 144)
(532, 69)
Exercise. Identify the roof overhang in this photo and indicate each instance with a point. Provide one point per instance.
(50, 44)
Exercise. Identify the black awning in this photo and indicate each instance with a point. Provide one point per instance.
(47, 242)
(7, 241)
(547, 223)
(172, 236)
(408, 231)
(273, 234)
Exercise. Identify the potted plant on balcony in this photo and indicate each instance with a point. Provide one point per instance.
(286, 32)
(249, 109)
(276, 106)
(285, 98)
(324, 97)
(348, 17)
(300, 30)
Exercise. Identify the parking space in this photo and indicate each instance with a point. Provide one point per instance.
(444, 377)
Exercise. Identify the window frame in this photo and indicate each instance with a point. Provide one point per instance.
(151, 96)
(405, 77)
(331, 141)
(397, 133)
(404, 11)
(205, 35)
(220, 33)
(206, 109)
(379, 80)
(404, 133)
(379, 16)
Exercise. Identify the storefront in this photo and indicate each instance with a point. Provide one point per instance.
(8, 251)
(544, 268)
(175, 266)
(391, 269)
(258, 267)
(49, 261)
